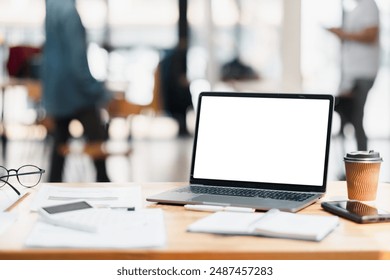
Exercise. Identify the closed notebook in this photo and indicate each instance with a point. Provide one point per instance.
(274, 223)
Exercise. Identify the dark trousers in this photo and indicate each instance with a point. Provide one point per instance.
(94, 130)
(351, 110)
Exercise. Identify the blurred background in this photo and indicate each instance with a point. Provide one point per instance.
(233, 45)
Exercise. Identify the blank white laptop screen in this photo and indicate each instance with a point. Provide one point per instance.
(269, 140)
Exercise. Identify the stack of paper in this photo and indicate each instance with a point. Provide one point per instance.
(274, 223)
(6, 221)
(120, 229)
(98, 197)
(116, 228)
(8, 197)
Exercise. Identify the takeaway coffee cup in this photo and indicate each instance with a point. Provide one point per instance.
(362, 172)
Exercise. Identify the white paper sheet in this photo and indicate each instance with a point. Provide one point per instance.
(8, 197)
(96, 196)
(6, 220)
(122, 229)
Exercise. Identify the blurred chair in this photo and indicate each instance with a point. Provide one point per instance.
(24, 62)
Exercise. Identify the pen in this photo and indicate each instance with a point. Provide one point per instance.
(215, 208)
(124, 208)
(16, 203)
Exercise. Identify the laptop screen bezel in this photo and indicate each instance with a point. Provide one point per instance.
(271, 186)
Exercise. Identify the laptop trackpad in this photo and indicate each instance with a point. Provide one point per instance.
(233, 200)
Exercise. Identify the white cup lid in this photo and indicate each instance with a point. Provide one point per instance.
(365, 156)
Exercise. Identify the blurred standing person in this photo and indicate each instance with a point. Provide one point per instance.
(359, 36)
(175, 88)
(174, 85)
(69, 90)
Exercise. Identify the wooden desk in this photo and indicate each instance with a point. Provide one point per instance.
(348, 241)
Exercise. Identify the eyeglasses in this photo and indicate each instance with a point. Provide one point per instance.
(28, 176)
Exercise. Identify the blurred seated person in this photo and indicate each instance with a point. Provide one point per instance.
(69, 90)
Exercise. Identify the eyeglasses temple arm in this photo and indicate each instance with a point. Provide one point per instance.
(10, 186)
(29, 173)
(6, 176)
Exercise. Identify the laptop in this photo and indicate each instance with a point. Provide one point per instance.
(258, 150)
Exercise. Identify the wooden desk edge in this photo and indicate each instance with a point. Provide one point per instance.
(44, 254)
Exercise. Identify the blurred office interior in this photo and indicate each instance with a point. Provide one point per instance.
(234, 45)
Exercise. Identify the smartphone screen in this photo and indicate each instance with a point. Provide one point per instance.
(357, 211)
(360, 209)
(67, 207)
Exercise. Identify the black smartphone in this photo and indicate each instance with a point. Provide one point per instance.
(77, 215)
(356, 211)
(73, 206)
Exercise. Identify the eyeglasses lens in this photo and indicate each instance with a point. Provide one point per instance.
(3, 176)
(29, 176)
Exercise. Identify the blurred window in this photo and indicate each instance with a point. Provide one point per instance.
(320, 49)
(249, 29)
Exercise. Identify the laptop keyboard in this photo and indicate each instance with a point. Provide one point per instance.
(280, 195)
